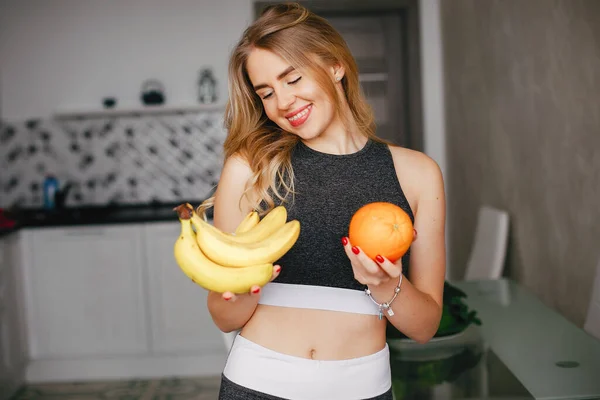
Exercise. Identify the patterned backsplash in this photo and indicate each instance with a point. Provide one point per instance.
(112, 160)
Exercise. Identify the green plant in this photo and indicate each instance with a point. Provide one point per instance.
(456, 315)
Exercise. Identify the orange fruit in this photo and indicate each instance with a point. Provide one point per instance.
(381, 228)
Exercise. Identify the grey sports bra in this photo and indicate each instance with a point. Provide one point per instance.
(329, 188)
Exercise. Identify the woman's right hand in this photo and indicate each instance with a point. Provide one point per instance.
(255, 290)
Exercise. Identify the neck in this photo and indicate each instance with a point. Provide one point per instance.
(339, 138)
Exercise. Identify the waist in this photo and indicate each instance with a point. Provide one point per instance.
(316, 334)
(262, 369)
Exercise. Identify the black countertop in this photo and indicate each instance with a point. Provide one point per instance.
(95, 215)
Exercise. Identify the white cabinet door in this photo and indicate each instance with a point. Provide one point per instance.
(13, 353)
(86, 288)
(181, 322)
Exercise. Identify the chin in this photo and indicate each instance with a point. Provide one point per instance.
(307, 135)
(306, 131)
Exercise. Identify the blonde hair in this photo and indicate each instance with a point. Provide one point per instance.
(307, 42)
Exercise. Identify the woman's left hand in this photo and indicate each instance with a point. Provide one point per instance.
(372, 272)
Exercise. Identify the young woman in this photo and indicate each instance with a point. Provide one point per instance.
(300, 133)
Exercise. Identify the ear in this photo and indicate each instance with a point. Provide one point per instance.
(337, 72)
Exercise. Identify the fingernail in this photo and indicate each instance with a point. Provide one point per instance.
(379, 258)
(256, 290)
(355, 250)
(227, 298)
(344, 240)
(277, 268)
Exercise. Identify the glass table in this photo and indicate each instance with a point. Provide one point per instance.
(522, 350)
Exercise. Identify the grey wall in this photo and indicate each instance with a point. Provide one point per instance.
(523, 134)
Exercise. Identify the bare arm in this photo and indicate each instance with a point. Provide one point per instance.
(418, 306)
(228, 311)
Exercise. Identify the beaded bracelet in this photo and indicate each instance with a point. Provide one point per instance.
(387, 306)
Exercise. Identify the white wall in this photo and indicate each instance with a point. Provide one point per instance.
(71, 53)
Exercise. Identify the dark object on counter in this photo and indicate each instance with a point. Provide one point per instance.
(5, 221)
(109, 102)
(54, 196)
(207, 87)
(153, 92)
(50, 187)
(60, 197)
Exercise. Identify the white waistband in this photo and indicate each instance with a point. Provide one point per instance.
(267, 371)
(317, 297)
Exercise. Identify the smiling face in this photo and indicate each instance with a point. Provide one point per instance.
(292, 99)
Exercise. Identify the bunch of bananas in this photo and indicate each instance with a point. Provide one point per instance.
(222, 262)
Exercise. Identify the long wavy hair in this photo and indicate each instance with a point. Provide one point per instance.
(309, 43)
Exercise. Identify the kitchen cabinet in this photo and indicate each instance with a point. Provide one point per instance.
(13, 352)
(109, 302)
(86, 292)
(181, 322)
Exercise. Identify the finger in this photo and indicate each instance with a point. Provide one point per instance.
(348, 249)
(357, 264)
(276, 271)
(229, 296)
(356, 267)
(346, 242)
(369, 265)
(393, 270)
(358, 275)
(255, 290)
(366, 271)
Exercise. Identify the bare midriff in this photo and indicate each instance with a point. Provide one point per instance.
(315, 334)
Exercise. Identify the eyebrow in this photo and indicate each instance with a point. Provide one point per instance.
(279, 77)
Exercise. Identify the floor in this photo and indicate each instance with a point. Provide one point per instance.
(139, 389)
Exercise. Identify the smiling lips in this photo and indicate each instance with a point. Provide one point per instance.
(298, 117)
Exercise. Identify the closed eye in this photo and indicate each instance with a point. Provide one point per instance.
(289, 83)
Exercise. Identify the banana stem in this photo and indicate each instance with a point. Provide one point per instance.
(184, 211)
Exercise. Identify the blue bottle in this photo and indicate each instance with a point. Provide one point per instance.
(50, 189)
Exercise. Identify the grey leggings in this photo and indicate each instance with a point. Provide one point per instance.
(232, 391)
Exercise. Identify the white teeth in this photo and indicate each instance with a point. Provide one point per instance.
(300, 114)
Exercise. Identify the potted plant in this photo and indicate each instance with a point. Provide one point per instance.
(456, 316)
(418, 371)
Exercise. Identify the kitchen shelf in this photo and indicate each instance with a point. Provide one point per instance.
(130, 111)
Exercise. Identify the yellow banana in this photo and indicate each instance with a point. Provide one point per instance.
(271, 222)
(209, 275)
(249, 222)
(274, 220)
(226, 251)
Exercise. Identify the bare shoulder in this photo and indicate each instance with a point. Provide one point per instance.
(235, 164)
(416, 161)
(418, 174)
(230, 204)
(234, 176)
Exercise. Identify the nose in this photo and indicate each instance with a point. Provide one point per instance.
(285, 99)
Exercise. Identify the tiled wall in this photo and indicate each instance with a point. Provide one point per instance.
(125, 159)
(523, 134)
